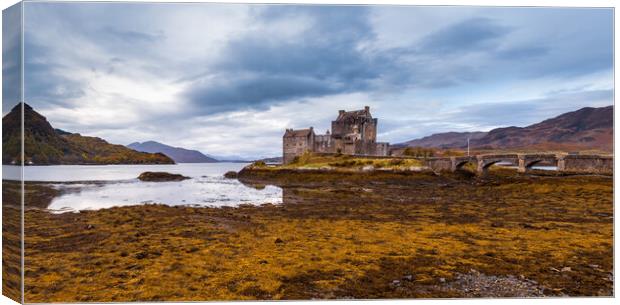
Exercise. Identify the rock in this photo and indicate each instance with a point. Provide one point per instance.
(279, 241)
(263, 262)
(396, 283)
(408, 277)
(594, 266)
(527, 226)
(230, 175)
(90, 227)
(554, 269)
(368, 168)
(192, 250)
(442, 280)
(161, 177)
(566, 269)
(141, 255)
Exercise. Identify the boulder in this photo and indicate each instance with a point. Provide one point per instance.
(230, 175)
(161, 177)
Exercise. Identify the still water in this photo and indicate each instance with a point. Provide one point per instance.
(87, 187)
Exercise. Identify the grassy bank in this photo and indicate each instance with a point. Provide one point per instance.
(347, 163)
(406, 236)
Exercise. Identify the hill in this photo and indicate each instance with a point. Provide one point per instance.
(584, 129)
(178, 154)
(44, 145)
(444, 140)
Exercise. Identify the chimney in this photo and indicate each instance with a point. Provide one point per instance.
(311, 128)
(340, 111)
(366, 108)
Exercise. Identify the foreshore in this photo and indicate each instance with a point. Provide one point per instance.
(379, 235)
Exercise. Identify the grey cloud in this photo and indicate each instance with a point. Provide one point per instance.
(129, 36)
(42, 85)
(519, 53)
(323, 60)
(11, 57)
(469, 35)
(230, 92)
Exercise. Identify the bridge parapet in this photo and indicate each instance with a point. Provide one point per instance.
(567, 163)
(594, 164)
(440, 164)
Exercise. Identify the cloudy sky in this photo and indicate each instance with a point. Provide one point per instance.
(228, 79)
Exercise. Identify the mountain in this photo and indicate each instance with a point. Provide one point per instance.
(584, 129)
(44, 145)
(444, 140)
(178, 154)
(272, 160)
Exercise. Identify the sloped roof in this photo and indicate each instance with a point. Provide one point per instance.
(353, 114)
(298, 132)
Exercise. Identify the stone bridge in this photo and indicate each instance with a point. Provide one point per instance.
(524, 162)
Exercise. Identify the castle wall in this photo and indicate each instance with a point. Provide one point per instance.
(322, 143)
(382, 149)
(370, 131)
(296, 146)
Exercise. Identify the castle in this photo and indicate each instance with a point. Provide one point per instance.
(353, 133)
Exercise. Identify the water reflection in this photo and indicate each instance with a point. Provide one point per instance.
(202, 191)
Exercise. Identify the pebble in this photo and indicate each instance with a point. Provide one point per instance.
(442, 280)
(481, 285)
(566, 269)
(408, 277)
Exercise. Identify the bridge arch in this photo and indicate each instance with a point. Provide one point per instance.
(526, 162)
(458, 165)
(459, 162)
(486, 161)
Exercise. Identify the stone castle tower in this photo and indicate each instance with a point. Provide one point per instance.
(353, 133)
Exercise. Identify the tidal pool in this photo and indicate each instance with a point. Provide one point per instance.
(84, 187)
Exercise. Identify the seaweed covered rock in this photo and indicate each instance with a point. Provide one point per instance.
(230, 175)
(161, 177)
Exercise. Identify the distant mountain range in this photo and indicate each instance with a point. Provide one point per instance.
(273, 160)
(444, 140)
(44, 145)
(178, 154)
(585, 129)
